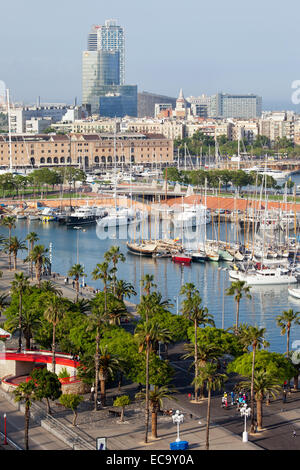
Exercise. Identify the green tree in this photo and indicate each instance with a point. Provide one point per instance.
(103, 272)
(193, 310)
(53, 314)
(32, 238)
(76, 271)
(212, 380)
(71, 401)
(263, 384)
(147, 283)
(122, 402)
(26, 391)
(48, 385)
(254, 336)
(13, 246)
(20, 285)
(285, 322)
(156, 397)
(97, 322)
(114, 255)
(39, 256)
(124, 289)
(239, 289)
(9, 222)
(3, 302)
(147, 334)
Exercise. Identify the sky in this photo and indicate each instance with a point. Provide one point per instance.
(200, 46)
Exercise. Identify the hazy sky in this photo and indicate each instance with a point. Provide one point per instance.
(201, 46)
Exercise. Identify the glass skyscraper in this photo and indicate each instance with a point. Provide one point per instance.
(103, 73)
(109, 37)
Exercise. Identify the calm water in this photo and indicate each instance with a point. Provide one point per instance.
(210, 278)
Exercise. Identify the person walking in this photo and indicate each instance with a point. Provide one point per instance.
(232, 397)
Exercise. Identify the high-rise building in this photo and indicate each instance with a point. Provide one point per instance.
(103, 73)
(235, 106)
(109, 37)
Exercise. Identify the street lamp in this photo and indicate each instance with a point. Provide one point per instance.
(5, 432)
(177, 419)
(245, 411)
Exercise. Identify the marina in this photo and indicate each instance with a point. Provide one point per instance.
(211, 278)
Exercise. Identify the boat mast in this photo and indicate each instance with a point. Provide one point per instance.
(9, 131)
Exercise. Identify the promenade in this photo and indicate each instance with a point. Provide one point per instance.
(226, 428)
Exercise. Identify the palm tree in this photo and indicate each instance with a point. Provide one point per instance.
(152, 304)
(9, 222)
(30, 322)
(147, 283)
(13, 246)
(156, 397)
(253, 336)
(53, 314)
(205, 353)
(238, 289)
(114, 255)
(49, 286)
(19, 285)
(76, 271)
(97, 320)
(285, 322)
(108, 364)
(124, 289)
(32, 237)
(102, 272)
(147, 334)
(26, 391)
(40, 259)
(193, 310)
(264, 384)
(3, 302)
(213, 381)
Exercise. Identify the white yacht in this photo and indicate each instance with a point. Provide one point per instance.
(266, 276)
(294, 292)
(121, 216)
(85, 215)
(191, 216)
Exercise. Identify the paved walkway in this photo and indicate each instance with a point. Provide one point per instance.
(227, 426)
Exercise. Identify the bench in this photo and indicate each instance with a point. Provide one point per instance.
(115, 412)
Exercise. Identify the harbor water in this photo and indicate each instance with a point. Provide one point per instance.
(211, 278)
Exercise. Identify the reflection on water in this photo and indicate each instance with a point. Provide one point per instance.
(210, 278)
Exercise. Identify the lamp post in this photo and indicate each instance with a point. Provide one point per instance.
(245, 412)
(177, 419)
(5, 434)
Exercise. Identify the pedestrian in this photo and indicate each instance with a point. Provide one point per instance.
(225, 399)
(232, 398)
(92, 393)
(294, 433)
(73, 284)
(189, 396)
(65, 280)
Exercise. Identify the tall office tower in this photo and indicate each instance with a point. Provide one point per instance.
(103, 73)
(109, 37)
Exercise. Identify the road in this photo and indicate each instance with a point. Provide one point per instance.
(39, 438)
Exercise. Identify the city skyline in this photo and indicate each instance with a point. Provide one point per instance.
(201, 48)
